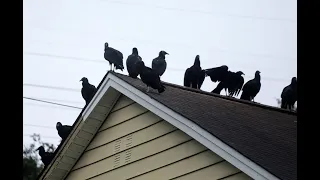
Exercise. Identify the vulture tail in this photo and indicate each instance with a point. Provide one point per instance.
(218, 89)
(161, 89)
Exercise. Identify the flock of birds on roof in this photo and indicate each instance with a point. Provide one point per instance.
(231, 82)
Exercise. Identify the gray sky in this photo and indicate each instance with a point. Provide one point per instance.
(246, 35)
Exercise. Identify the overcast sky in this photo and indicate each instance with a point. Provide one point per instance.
(64, 41)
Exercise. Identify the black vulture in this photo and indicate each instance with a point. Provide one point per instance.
(46, 157)
(235, 83)
(131, 63)
(194, 75)
(251, 88)
(231, 82)
(159, 63)
(114, 57)
(289, 95)
(63, 130)
(149, 77)
(217, 73)
(88, 90)
(220, 86)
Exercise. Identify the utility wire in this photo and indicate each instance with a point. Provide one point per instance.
(58, 104)
(51, 137)
(201, 12)
(40, 126)
(49, 106)
(52, 87)
(58, 100)
(63, 57)
(75, 58)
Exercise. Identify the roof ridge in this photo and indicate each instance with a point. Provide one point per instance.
(264, 106)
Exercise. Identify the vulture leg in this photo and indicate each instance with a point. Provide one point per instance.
(110, 66)
(148, 88)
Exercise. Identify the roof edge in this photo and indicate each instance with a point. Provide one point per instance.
(264, 106)
(64, 142)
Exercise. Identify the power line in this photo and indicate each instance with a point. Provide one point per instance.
(171, 43)
(202, 12)
(58, 104)
(40, 126)
(171, 69)
(59, 100)
(63, 57)
(51, 137)
(48, 106)
(52, 87)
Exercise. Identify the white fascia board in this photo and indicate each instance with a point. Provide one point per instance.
(202, 136)
(96, 98)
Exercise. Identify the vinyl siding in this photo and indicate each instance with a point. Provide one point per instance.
(134, 143)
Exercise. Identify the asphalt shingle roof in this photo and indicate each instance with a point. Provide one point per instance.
(266, 135)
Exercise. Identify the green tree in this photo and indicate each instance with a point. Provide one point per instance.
(32, 164)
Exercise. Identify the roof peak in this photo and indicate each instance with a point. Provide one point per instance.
(264, 106)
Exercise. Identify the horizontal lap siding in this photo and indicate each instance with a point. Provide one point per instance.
(238, 176)
(124, 101)
(216, 171)
(133, 143)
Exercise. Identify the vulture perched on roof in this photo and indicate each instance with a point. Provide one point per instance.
(149, 77)
(235, 83)
(251, 88)
(289, 95)
(217, 73)
(194, 75)
(63, 130)
(131, 63)
(159, 64)
(220, 86)
(46, 157)
(114, 57)
(88, 90)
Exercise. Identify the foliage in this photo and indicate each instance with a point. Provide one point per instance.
(32, 164)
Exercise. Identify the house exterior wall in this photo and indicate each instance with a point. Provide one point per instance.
(134, 143)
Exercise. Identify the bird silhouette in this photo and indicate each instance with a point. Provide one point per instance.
(149, 77)
(235, 83)
(251, 88)
(63, 130)
(217, 73)
(194, 75)
(289, 95)
(114, 57)
(159, 63)
(88, 90)
(46, 157)
(131, 63)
